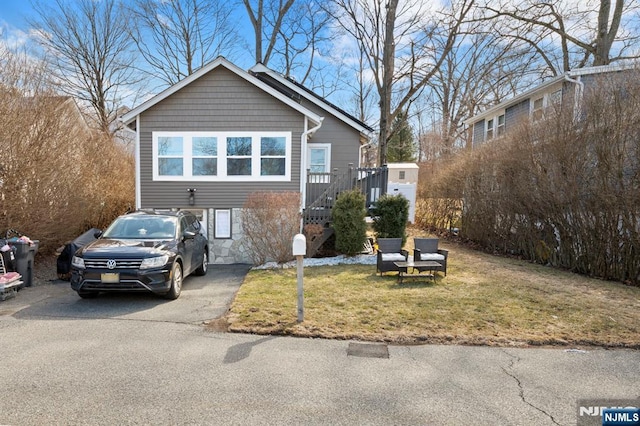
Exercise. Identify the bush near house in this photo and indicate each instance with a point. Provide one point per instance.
(348, 221)
(58, 177)
(390, 214)
(270, 220)
(564, 191)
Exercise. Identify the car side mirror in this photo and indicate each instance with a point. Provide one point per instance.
(97, 234)
(189, 235)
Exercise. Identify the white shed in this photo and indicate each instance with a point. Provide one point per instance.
(403, 179)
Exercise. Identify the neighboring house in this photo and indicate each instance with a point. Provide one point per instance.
(566, 90)
(222, 133)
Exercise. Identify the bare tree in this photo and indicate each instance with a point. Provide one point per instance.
(570, 35)
(266, 21)
(303, 36)
(480, 70)
(399, 41)
(88, 44)
(362, 89)
(176, 37)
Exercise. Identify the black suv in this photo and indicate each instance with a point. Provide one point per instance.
(142, 251)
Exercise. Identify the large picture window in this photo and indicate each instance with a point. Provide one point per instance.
(220, 156)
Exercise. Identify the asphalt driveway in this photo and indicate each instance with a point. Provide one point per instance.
(139, 359)
(203, 298)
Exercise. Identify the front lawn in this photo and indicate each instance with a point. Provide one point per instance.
(483, 300)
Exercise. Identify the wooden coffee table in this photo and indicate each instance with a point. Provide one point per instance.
(422, 265)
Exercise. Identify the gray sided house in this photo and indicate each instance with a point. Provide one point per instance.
(567, 90)
(222, 133)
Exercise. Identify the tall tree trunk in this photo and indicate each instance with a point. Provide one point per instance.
(388, 56)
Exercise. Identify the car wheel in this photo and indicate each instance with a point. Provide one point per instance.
(176, 282)
(88, 294)
(202, 269)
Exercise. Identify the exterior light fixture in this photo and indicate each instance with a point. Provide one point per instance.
(192, 196)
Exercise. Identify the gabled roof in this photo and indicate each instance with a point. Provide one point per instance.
(296, 89)
(567, 76)
(220, 62)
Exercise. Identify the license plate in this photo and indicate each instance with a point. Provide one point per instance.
(110, 278)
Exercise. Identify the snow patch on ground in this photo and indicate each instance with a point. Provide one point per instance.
(361, 259)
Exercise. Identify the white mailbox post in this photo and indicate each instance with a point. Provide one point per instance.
(299, 250)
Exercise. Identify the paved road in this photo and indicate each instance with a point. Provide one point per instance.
(142, 360)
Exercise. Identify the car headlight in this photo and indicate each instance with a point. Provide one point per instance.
(154, 262)
(77, 262)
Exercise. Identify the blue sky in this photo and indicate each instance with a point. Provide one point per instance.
(13, 13)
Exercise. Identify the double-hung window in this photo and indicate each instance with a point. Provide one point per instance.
(239, 156)
(501, 125)
(205, 155)
(170, 155)
(273, 156)
(537, 109)
(490, 129)
(221, 156)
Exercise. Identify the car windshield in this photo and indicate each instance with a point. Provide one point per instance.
(142, 227)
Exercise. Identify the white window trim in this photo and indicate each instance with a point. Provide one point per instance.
(501, 128)
(491, 129)
(539, 110)
(494, 126)
(222, 224)
(326, 147)
(222, 157)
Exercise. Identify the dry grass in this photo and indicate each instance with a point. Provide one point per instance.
(484, 300)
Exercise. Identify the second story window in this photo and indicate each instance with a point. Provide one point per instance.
(239, 156)
(205, 156)
(272, 156)
(489, 129)
(536, 113)
(221, 156)
(170, 156)
(501, 125)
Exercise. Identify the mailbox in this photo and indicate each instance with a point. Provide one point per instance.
(299, 245)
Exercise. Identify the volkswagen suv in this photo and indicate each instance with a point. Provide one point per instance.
(148, 251)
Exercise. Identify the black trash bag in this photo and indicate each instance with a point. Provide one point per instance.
(63, 264)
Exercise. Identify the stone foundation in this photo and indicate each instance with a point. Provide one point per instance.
(227, 250)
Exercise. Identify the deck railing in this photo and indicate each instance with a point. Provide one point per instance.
(322, 190)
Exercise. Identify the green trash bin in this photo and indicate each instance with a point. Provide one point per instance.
(25, 254)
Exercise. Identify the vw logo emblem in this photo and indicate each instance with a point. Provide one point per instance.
(111, 263)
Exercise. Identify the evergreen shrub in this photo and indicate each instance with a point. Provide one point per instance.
(349, 222)
(390, 215)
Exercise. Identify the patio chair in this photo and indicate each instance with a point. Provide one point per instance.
(427, 249)
(389, 251)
